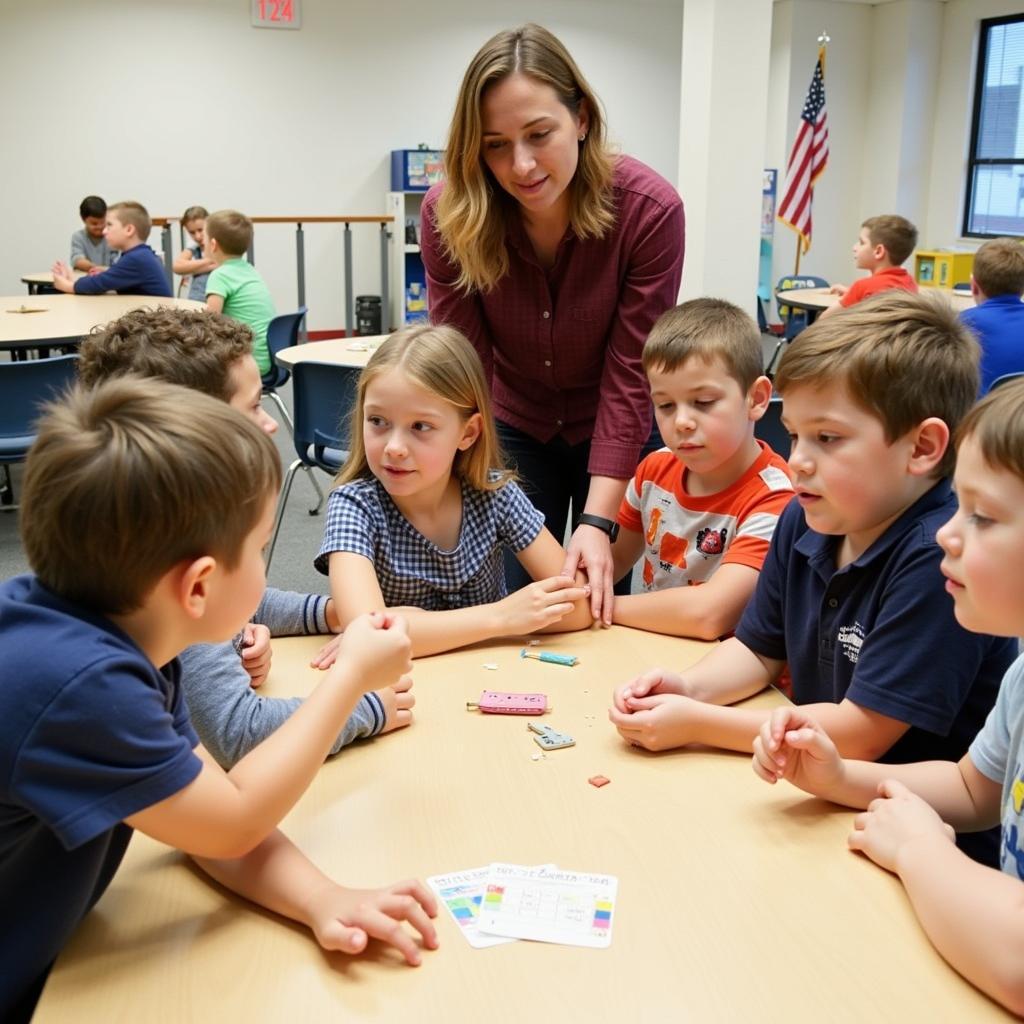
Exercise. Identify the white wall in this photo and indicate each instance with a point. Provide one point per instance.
(175, 104)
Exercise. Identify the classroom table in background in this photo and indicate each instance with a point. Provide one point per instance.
(44, 279)
(354, 352)
(816, 300)
(736, 900)
(66, 319)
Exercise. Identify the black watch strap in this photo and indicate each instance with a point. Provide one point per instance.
(608, 526)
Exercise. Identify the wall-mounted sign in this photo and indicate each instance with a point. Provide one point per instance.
(276, 14)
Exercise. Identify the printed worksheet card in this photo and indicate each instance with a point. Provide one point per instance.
(548, 904)
(461, 892)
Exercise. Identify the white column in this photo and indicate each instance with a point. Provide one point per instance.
(724, 98)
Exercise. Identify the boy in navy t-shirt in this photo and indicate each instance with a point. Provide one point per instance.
(123, 523)
(850, 596)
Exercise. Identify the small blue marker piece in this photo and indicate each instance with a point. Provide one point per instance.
(555, 659)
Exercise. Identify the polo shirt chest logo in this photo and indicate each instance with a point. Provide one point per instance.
(850, 640)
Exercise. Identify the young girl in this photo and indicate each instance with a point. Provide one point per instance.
(420, 514)
(190, 262)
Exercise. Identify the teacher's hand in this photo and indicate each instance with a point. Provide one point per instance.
(591, 550)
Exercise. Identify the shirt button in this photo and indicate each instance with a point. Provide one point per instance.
(559, 423)
(546, 314)
(547, 362)
(833, 603)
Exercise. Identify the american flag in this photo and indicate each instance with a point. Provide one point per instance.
(807, 159)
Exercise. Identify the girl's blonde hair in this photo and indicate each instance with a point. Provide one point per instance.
(473, 207)
(442, 361)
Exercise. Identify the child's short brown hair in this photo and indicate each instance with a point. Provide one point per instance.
(194, 213)
(996, 423)
(181, 346)
(707, 329)
(129, 212)
(902, 357)
(231, 230)
(999, 267)
(896, 233)
(128, 479)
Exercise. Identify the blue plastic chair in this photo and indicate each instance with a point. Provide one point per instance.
(282, 332)
(323, 395)
(24, 386)
(769, 428)
(1005, 379)
(793, 320)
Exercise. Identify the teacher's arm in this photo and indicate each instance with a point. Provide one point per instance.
(446, 302)
(623, 422)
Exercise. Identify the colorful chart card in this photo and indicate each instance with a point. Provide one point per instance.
(547, 904)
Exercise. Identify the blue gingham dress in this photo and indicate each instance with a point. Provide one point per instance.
(411, 570)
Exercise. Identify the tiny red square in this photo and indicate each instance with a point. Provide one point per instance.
(598, 781)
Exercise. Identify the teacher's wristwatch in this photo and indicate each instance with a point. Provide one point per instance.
(608, 526)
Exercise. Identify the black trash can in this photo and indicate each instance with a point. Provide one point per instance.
(368, 315)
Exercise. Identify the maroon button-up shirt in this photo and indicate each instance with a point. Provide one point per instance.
(561, 347)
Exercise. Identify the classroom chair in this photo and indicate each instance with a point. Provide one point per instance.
(769, 429)
(24, 386)
(282, 332)
(793, 320)
(323, 395)
(1005, 379)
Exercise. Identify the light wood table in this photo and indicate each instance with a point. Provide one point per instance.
(737, 901)
(353, 352)
(66, 319)
(816, 300)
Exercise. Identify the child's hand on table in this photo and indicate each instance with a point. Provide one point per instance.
(345, 919)
(792, 746)
(540, 604)
(256, 652)
(897, 818)
(660, 721)
(656, 680)
(398, 701)
(377, 647)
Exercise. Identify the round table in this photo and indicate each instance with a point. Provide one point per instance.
(40, 320)
(339, 351)
(816, 300)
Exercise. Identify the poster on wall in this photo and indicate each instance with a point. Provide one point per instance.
(275, 14)
(769, 181)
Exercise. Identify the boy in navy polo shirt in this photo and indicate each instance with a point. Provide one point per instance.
(974, 916)
(94, 732)
(851, 596)
(997, 318)
(138, 271)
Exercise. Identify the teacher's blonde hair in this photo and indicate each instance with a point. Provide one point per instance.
(442, 361)
(472, 207)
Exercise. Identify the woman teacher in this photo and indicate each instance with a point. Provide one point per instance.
(554, 257)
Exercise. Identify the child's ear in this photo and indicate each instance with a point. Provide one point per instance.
(193, 585)
(471, 430)
(759, 397)
(930, 441)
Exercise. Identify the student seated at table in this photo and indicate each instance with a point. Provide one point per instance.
(89, 249)
(997, 319)
(973, 915)
(850, 595)
(134, 559)
(235, 287)
(423, 507)
(191, 264)
(883, 246)
(212, 354)
(703, 509)
(138, 270)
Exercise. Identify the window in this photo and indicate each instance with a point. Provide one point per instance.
(995, 170)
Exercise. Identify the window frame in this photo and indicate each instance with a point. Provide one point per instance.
(973, 160)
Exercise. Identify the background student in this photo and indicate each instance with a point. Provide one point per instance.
(191, 263)
(423, 508)
(554, 257)
(89, 249)
(138, 270)
(884, 244)
(973, 915)
(997, 318)
(703, 510)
